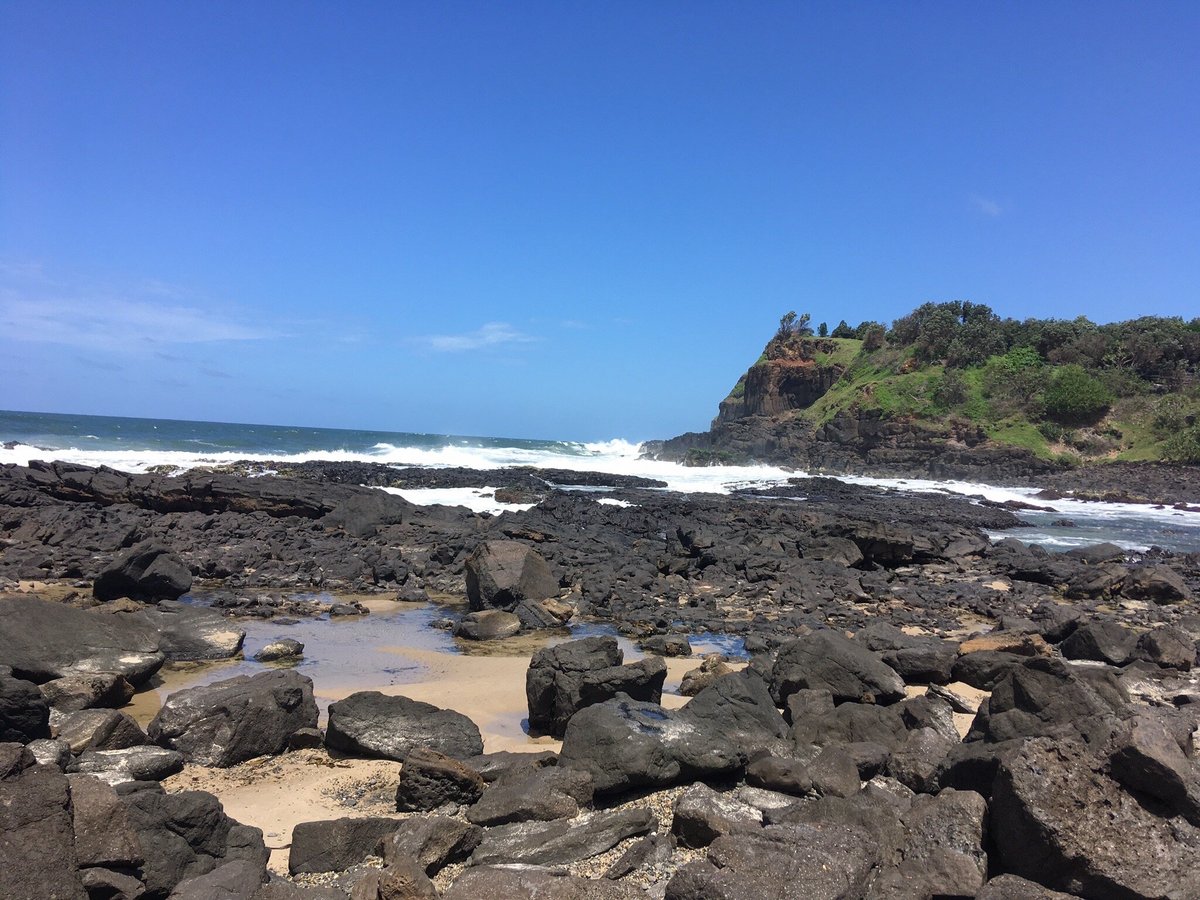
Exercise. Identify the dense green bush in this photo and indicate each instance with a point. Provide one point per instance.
(1014, 382)
(1184, 447)
(951, 389)
(1073, 397)
(1170, 416)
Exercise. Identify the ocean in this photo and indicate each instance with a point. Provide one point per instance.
(137, 445)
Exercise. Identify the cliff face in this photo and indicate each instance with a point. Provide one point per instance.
(789, 377)
(763, 420)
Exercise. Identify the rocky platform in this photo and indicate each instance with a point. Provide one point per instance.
(833, 766)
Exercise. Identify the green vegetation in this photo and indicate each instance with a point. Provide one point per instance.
(1066, 389)
(1073, 397)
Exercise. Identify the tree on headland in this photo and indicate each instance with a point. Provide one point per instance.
(822, 330)
(790, 324)
(873, 337)
(843, 330)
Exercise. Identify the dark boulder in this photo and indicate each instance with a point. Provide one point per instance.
(404, 879)
(500, 574)
(535, 883)
(563, 679)
(829, 660)
(430, 779)
(100, 729)
(125, 766)
(237, 719)
(239, 879)
(76, 692)
(852, 723)
(103, 835)
(917, 762)
(1059, 820)
(1100, 641)
(1049, 697)
(334, 845)
(148, 572)
(667, 645)
(562, 841)
(372, 724)
(739, 707)
(54, 753)
(1168, 647)
(1014, 887)
(362, 515)
(702, 815)
(37, 846)
(192, 633)
(1146, 758)
(626, 744)
(1156, 583)
(985, 669)
(540, 794)
(1094, 554)
(487, 625)
(433, 841)
(942, 853)
(41, 641)
(780, 862)
(710, 669)
(190, 836)
(918, 660)
(24, 712)
(281, 650)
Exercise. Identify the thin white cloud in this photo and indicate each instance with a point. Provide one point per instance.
(109, 323)
(492, 334)
(986, 206)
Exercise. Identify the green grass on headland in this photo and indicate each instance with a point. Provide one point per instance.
(1061, 389)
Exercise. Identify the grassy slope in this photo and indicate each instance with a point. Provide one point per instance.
(890, 381)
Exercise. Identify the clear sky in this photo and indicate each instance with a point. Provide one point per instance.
(561, 219)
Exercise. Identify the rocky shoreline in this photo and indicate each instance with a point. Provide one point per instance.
(923, 711)
(869, 444)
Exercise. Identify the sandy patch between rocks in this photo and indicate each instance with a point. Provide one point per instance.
(277, 793)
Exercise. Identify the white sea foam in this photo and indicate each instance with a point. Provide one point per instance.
(474, 499)
(1120, 522)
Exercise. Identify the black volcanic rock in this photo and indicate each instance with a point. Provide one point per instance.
(147, 572)
(565, 678)
(1059, 819)
(43, 641)
(372, 724)
(237, 719)
(828, 660)
(24, 712)
(500, 574)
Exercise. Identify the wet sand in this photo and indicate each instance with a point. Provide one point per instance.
(486, 684)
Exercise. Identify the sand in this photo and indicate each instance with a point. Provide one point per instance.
(277, 793)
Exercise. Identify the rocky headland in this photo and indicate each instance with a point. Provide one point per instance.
(952, 391)
(919, 710)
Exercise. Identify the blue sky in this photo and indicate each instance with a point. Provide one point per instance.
(560, 220)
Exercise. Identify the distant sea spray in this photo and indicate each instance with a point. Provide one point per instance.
(138, 445)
